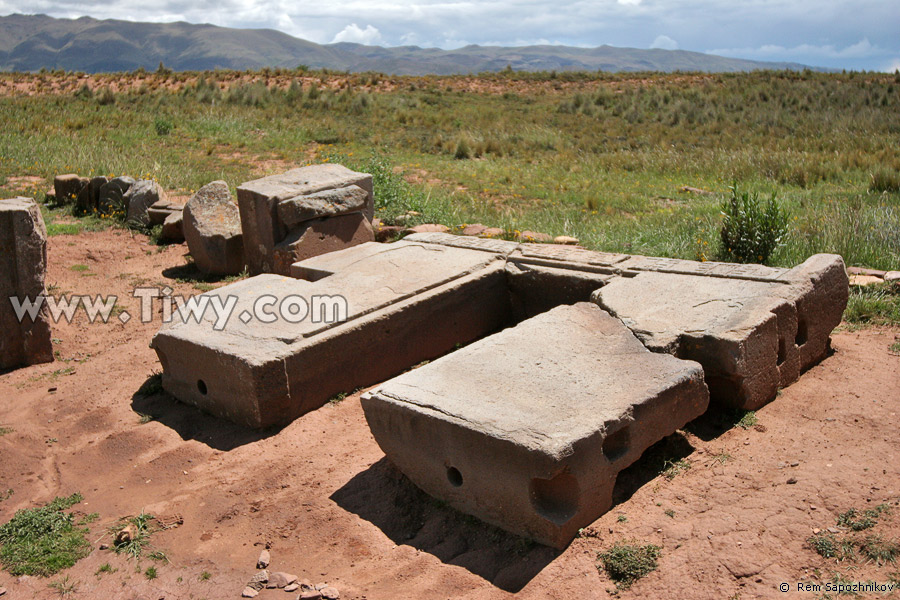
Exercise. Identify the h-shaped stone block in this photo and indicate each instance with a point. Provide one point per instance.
(528, 428)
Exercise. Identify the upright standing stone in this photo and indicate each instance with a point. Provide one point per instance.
(259, 200)
(139, 198)
(66, 187)
(89, 197)
(212, 228)
(112, 195)
(23, 264)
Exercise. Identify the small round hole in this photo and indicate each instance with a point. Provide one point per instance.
(201, 385)
(454, 476)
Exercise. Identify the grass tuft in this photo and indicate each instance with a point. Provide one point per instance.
(44, 540)
(627, 562)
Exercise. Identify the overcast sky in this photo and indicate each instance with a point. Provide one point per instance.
(857, 34)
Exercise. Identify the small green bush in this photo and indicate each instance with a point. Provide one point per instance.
(751, 231)
(162, 126)
(625, 562)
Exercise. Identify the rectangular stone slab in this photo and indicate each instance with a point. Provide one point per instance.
(528, 428)
(753, 333)
(407, 303)
(258, 201)
(23, 266)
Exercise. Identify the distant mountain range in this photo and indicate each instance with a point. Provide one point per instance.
(32, 42)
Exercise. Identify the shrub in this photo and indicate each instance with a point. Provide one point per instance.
(162, 126)
(462, 150)
(751, 231)
(885, 180)
(625, 563)
(106, 97)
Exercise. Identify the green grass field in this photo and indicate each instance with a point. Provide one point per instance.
(597, 156)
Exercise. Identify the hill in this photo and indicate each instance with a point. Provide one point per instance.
(32, 42)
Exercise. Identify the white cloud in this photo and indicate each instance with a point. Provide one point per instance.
(664, 42)
(861, 49)
(629, 2)
(352, 33)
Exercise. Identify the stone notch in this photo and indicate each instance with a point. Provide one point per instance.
(752, 334)
(259, 200)
(327, 203)
(528, 428)
(23, 265)
(405, 303)
(322, 236)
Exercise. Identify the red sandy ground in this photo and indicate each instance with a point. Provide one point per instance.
(321, 494)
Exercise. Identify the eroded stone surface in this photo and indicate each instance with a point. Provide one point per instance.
(66, 187)
(23, 265)
(322, 236)
(327, 203)
(753, 332)
(140, 196)
(111, 195)
(88, 199)
(406, 302)
(528, 428)
(212, 227)
(259, 200)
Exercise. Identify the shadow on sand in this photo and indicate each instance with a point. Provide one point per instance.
(387, 499)
(151, 402)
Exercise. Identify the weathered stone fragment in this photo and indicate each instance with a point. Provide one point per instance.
(404, 303)
(212, 228)
(23, 264)
(893, 278)
(321, 236)
(428, 228)
(528, 428)
(327, 203)
(259, 200)
(66, 187)
(111, 196)
(752, 336)
(88, 199)
(143, 194)
(173, 227)
(473, 229)
(565, 240)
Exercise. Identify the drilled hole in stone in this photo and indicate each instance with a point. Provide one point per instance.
(616, 444)
(201, 386)
(454, 476)
(802, 334)
(555, 499)
(782, 352)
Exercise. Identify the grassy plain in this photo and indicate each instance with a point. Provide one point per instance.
(597, 156)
